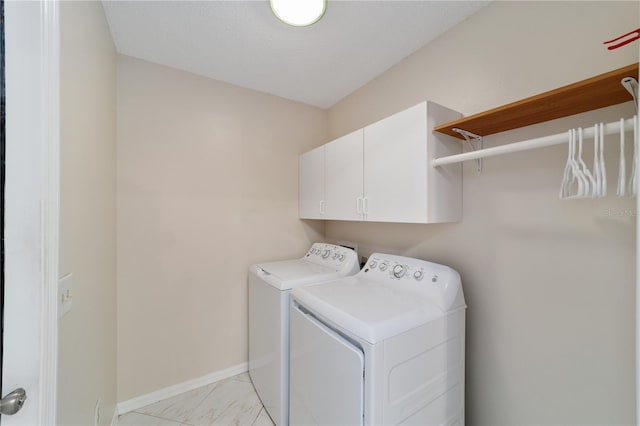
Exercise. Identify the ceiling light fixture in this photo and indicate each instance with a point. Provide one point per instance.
(299, 13)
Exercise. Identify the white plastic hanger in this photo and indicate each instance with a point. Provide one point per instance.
(572, 173)
(622, 173)
(603, 169)
(565, 176)
(633, 179)
(583, 183)
(590, 182)
(597, 171)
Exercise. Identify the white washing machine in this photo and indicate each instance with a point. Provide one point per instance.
(383, 347)
(269, 287)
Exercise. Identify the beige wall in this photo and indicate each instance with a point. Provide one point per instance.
(207, 185)
(87, 334)
(549, 284)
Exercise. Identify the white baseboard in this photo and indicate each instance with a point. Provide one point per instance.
(164, 393)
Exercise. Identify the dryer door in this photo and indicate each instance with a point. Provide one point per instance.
(326, 373)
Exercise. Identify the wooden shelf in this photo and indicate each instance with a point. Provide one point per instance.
(597, 92)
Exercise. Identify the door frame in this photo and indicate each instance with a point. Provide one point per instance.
(50, 201)
(32, 183)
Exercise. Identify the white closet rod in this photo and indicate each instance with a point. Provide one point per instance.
(557, 139)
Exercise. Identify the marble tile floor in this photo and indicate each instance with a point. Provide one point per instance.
(232, 401)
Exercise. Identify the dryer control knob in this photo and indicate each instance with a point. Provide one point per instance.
(326, 253)
(335, 256)
(384, 266)
(373, 264)
(418, 275)
(399, 271)
(341, 258)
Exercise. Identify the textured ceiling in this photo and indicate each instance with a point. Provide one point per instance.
(243, 43)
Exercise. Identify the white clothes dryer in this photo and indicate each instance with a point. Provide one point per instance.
(269, 287)
(382, 347)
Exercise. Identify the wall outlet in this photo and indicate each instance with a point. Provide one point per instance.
(96, 414)
(65, 294)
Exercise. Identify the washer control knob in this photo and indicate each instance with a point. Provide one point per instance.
(418, 275)
(384, 266)
(335, 256)
(373, 264)
(341, 258)
(399, 271)
(326, 253)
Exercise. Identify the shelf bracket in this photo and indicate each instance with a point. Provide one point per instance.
(631, 84)
(474, 141)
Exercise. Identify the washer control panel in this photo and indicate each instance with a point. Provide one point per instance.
(394, 268)
(332, 255)
(428, 281)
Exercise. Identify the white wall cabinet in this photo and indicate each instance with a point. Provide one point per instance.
(343, 176)
(395, 167)
(382, 173)
(311, 184)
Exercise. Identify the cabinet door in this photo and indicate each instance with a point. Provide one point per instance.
(311, 184)
(343, 177)
(395, 167)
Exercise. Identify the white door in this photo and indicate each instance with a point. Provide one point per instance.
(395, 167)
(326, 375)
(311, 184)
(343, 177)
(31, 208)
